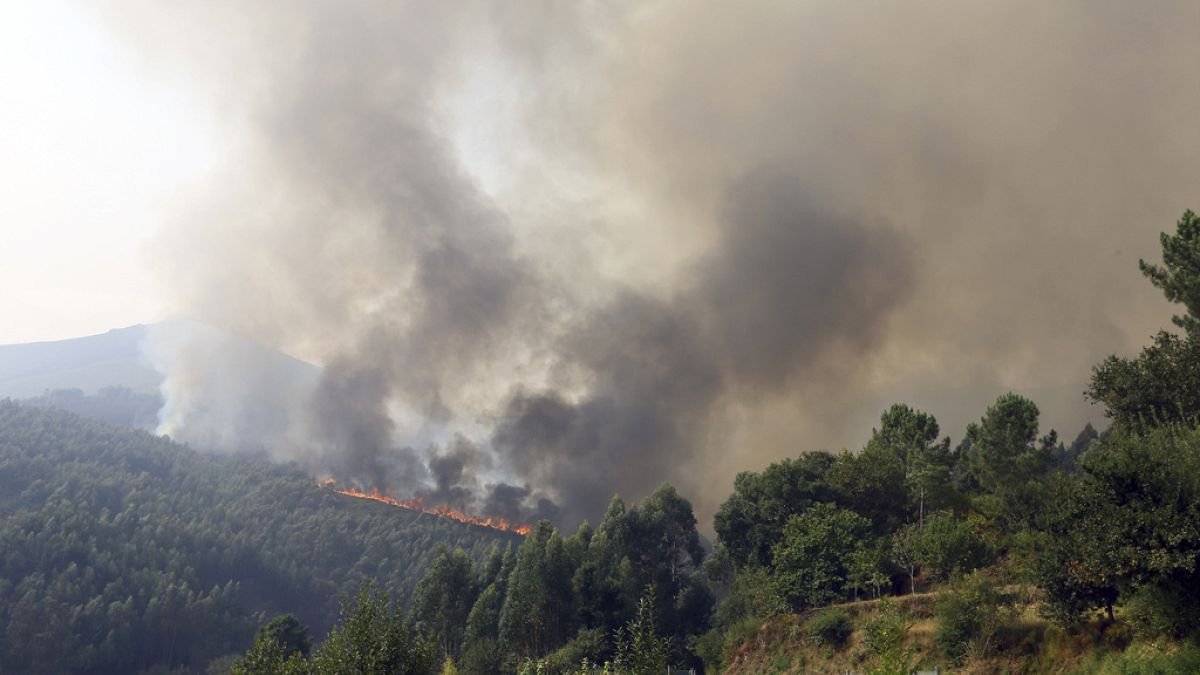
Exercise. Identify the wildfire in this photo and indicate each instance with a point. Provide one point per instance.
(444, 511)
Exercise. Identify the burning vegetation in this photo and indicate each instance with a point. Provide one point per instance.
(444, 510)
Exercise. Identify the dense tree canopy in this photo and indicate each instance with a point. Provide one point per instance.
(120, 550)
(814, 559)
(751, 521)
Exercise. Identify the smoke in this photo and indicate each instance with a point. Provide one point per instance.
(550, 252)
(225, 392)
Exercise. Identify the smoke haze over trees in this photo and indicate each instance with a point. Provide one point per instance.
(545, 252)
(122, 551)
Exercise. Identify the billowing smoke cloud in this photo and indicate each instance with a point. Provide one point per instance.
(550, 252)
(226, 392)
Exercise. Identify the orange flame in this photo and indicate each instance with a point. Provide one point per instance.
(491, 522)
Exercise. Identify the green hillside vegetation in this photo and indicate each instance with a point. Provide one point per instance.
(1009, 551)
(120, 551)
(118, 406)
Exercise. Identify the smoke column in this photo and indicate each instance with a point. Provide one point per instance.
(547, 252)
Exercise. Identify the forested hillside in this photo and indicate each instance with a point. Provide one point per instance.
(120, 550)
(1008, 551)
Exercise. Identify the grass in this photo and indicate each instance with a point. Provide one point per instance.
(1029, 644)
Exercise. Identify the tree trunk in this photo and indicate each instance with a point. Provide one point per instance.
(921, 515)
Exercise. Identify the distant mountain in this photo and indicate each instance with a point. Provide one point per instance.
(117, 377)
(112, 359)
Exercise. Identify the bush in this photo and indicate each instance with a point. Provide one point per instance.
(752, 595)
(830, 628)
(884, 636)
(716, 645)
(949, 547)
(1154, 611)
(885, 632)
(969, 616)
(1152, 661)
(589, 644)
(710, 647)
(483, 656)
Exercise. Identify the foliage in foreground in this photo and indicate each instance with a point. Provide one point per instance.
(372, 637)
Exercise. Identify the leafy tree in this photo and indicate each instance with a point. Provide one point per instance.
(902, 473)
(906, 552)
(1069, 456)
(287, 631)
(947, 547)
(1009, 461)
(653, 545)
(269, 657)
(1004, 443)
(373, 637)
(752, 595)
(602, 582)
(872, 484)
(1129, 528)
(970, 616)
(813, 560)
(484, 620)
(640, 649)
(666, 531)
(1162, 384)
(1179, 276)
(1075, 566)
(870, 570)
(526, 617)
(444, 599)
(483, 655)
(751, 521)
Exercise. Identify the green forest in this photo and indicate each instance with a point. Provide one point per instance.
(122, 552)
(1011, 549)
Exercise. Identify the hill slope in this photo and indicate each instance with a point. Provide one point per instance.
(120, 550)
(112, 359)
(117, 377)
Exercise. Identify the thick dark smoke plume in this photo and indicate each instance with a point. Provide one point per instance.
(545, 252)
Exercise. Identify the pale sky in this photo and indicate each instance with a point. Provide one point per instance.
(92, 151)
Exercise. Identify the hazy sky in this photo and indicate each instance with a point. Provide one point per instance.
(94, 148)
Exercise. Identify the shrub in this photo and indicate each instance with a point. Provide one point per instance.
(1152, 661)
(1155, 611)
(830, 628)
(589, 644)
(710, 647)
(884, 635)
(483, 656)
(885, 632)
(715, 646)
(970, 615)
(949, 547)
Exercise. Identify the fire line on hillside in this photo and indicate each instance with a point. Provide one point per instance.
(490, 522)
